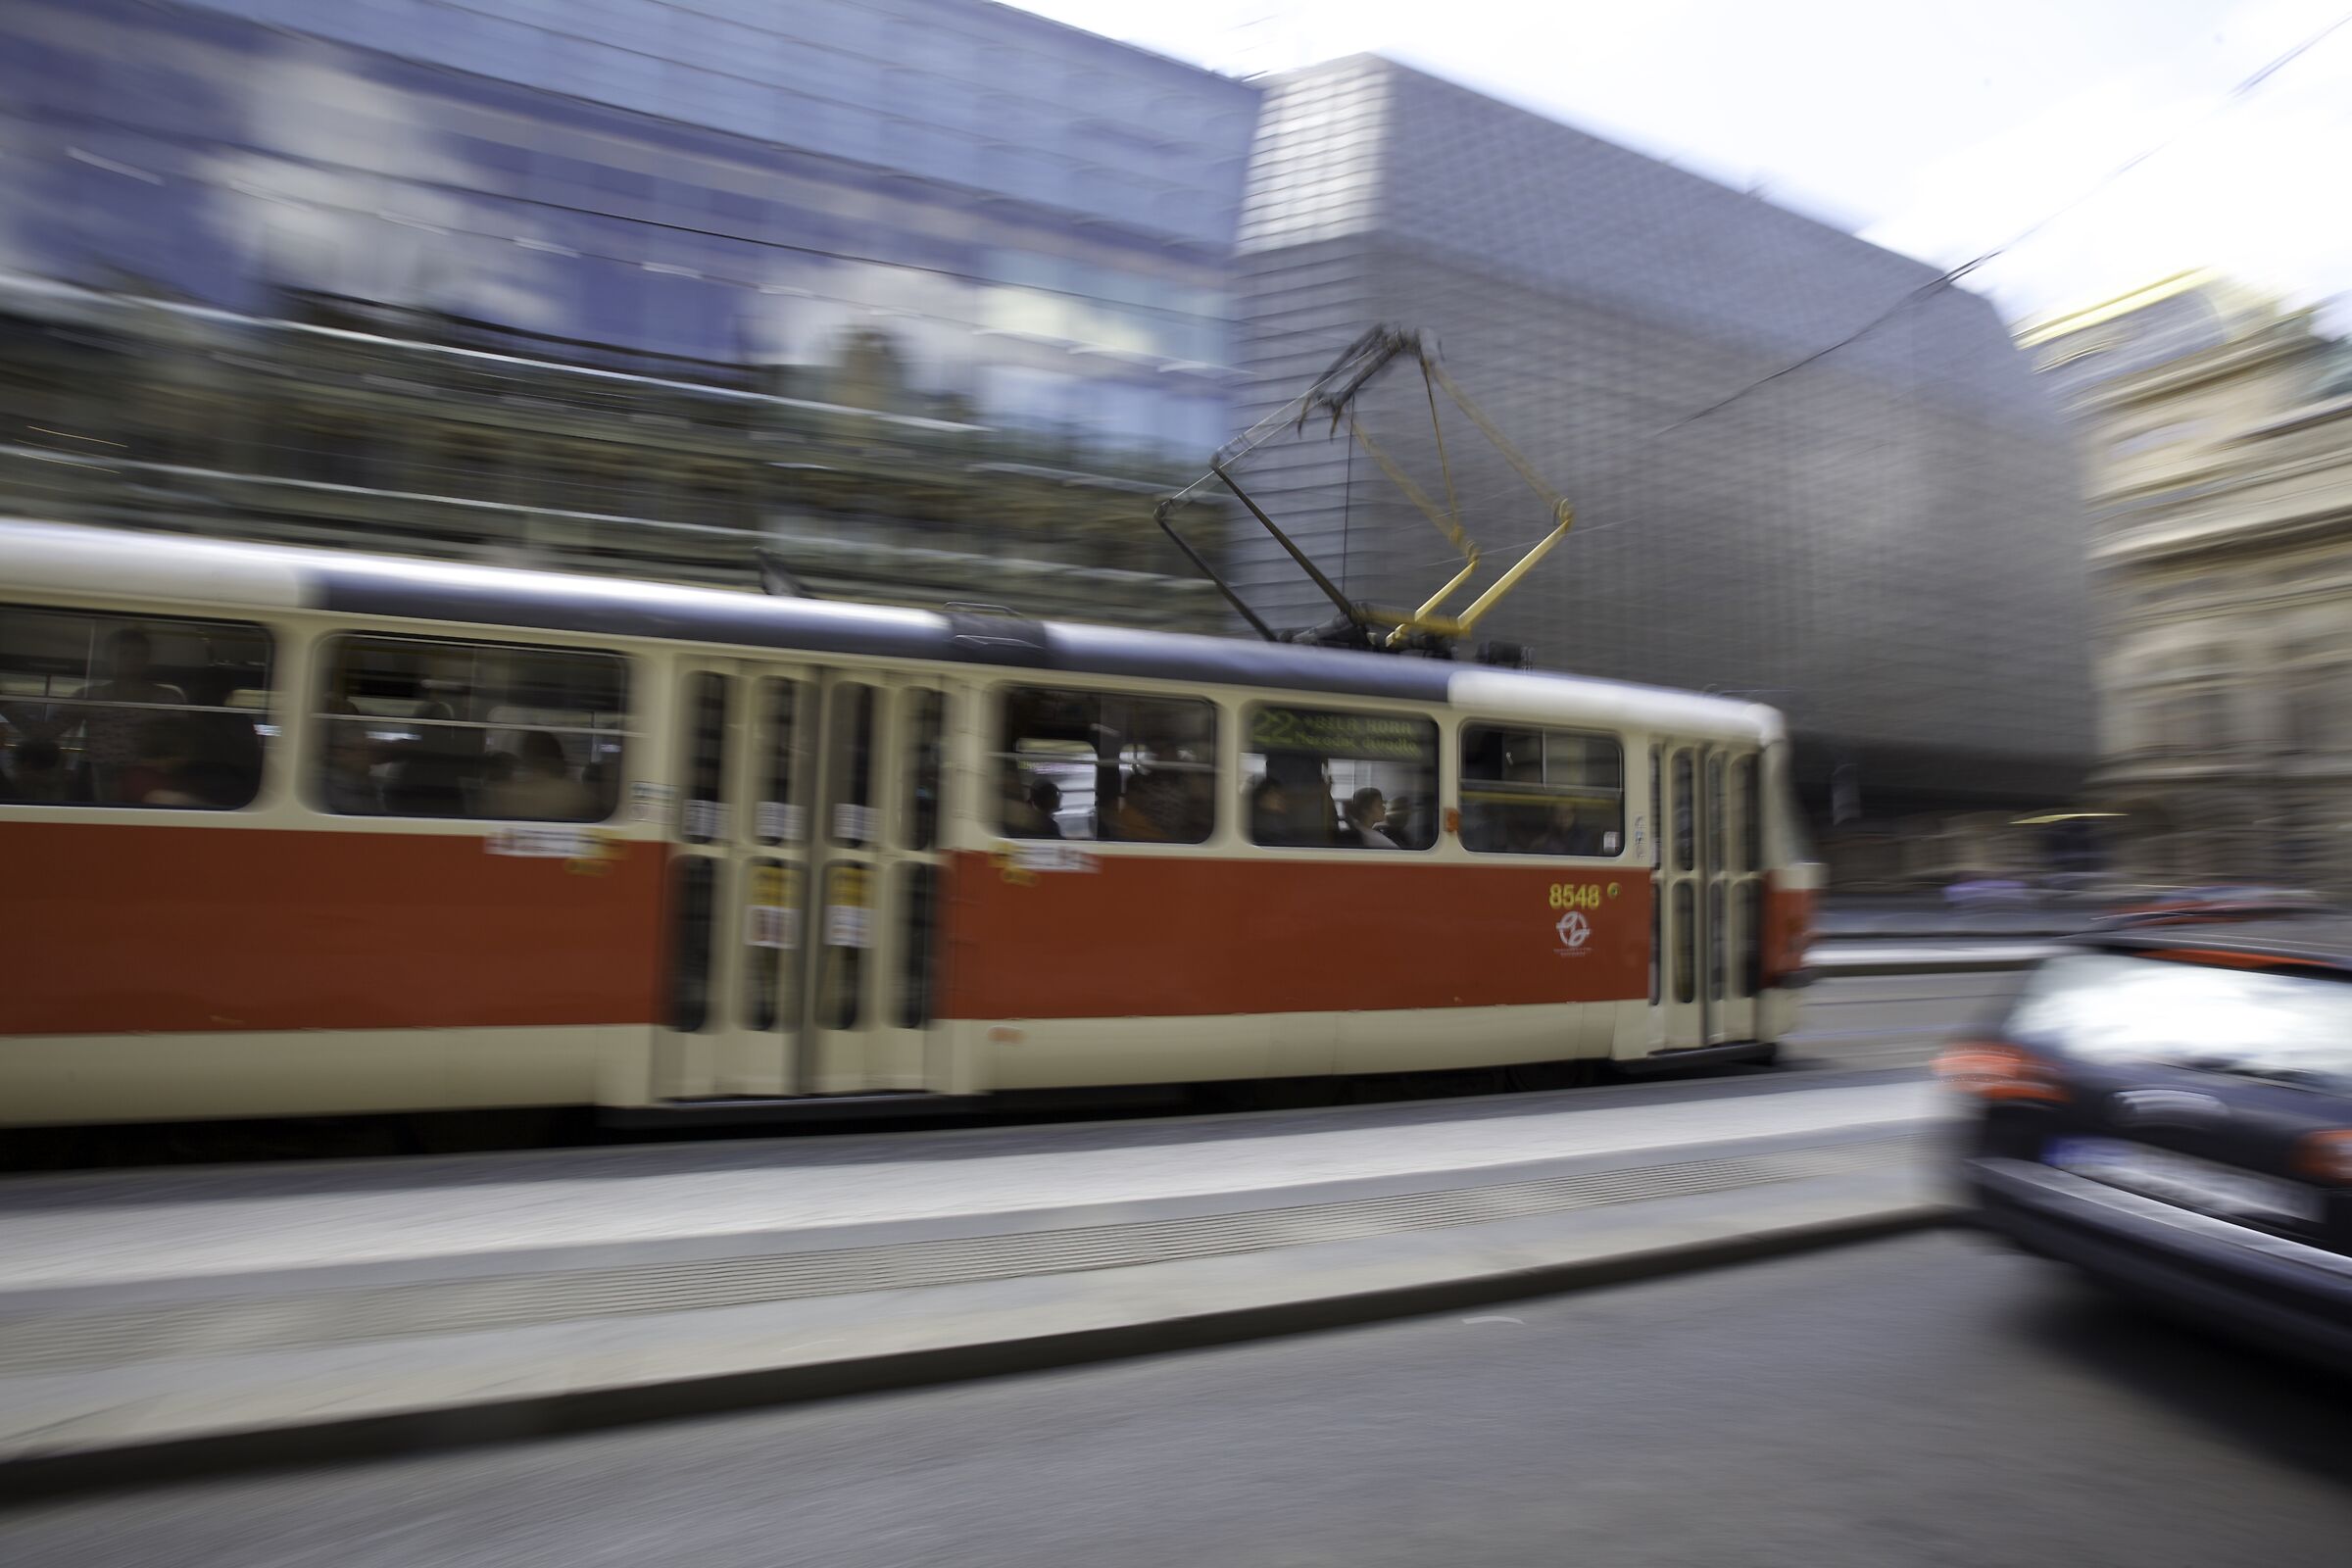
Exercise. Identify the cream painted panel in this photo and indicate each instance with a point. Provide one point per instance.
(178, 1077)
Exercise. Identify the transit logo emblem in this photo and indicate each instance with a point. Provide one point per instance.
(1574, 931)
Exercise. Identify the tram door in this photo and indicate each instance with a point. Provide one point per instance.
(1735, 863)
(1710, 887)
(806, 871)
(1680, 893)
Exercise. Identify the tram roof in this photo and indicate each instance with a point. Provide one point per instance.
(219, 574)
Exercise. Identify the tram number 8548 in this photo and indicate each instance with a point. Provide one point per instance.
(1579, 895)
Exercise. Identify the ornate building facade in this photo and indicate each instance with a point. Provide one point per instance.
(2216, 430)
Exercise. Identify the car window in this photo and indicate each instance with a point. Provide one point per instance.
(2107, 1007)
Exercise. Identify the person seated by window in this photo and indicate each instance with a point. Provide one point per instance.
(1367, 815)
(36, 773)
(112, 734)
(1558, 830)
(158, 771)
(432, 773)
(1270, 812)
(1164, 801)
(1018, 809)
(226, 766)
(350, 783)
(1044, 797)
(541, 788)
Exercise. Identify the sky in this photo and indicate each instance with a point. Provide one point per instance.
(1939, 131)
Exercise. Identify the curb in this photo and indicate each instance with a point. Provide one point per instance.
(1839, 961)
(539, 1416)
(1871, 968)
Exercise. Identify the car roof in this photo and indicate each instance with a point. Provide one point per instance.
(2319, 939)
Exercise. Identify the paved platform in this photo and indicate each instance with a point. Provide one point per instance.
(154, 1321)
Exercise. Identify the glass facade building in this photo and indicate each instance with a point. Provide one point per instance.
(1887, 544)
(937, 210)
(1036, 221)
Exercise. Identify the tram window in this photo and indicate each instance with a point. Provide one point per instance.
(1748, 791)
(852, 752)
(1325, 778)
(1686, 838)
(921, 829)
(778, 818)
(1750, 971)
(1685, 942)
(706, 756)
(131, 711)
(1657, 808)
(1104, 765)
(1658, 950)
(1541, 791)
(771, 941)
(1715, 941)
(917, 888)
(847, 934)
(690, 943)
(422, 727)
(1715, 855)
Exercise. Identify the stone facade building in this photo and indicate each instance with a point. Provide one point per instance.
(2216, 430)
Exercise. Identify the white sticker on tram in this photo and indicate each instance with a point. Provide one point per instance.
(1053, 857)
(780, 823)
(651, 802)
(847, 925)
(776, 926)
(543, 844)
(706, 820)
(852, 824)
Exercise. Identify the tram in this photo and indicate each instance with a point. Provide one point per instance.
(290, 832)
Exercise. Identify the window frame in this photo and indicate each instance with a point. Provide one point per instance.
(1462, 780)
(325, 654)
(270, 715)
(1245, 827)
(998, 751)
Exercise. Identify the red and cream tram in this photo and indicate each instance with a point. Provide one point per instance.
(294, 832)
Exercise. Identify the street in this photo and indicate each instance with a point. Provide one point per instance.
(1893, 1020)
(1928, 1399)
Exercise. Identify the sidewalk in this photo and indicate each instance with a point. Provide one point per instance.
(155, 1323)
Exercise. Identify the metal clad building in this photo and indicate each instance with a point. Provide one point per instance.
(1886, 543)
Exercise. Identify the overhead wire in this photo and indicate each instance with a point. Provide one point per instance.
(2237, 93)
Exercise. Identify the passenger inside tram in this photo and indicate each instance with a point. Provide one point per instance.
(1291, 805)
(158, 772)
(225, 750)
(37, 773)
(350, 783)
(1044, 796)
(1367, 813)
(1165, 796)
(1018, 809)
(122, 705)
(538, 787)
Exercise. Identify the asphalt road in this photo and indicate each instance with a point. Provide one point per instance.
(1924, 1400)
(1895, 1020)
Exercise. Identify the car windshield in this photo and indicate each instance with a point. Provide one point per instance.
(2103, 1007)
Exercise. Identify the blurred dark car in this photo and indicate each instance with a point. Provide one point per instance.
(2236, 903)
(2169, 1105)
